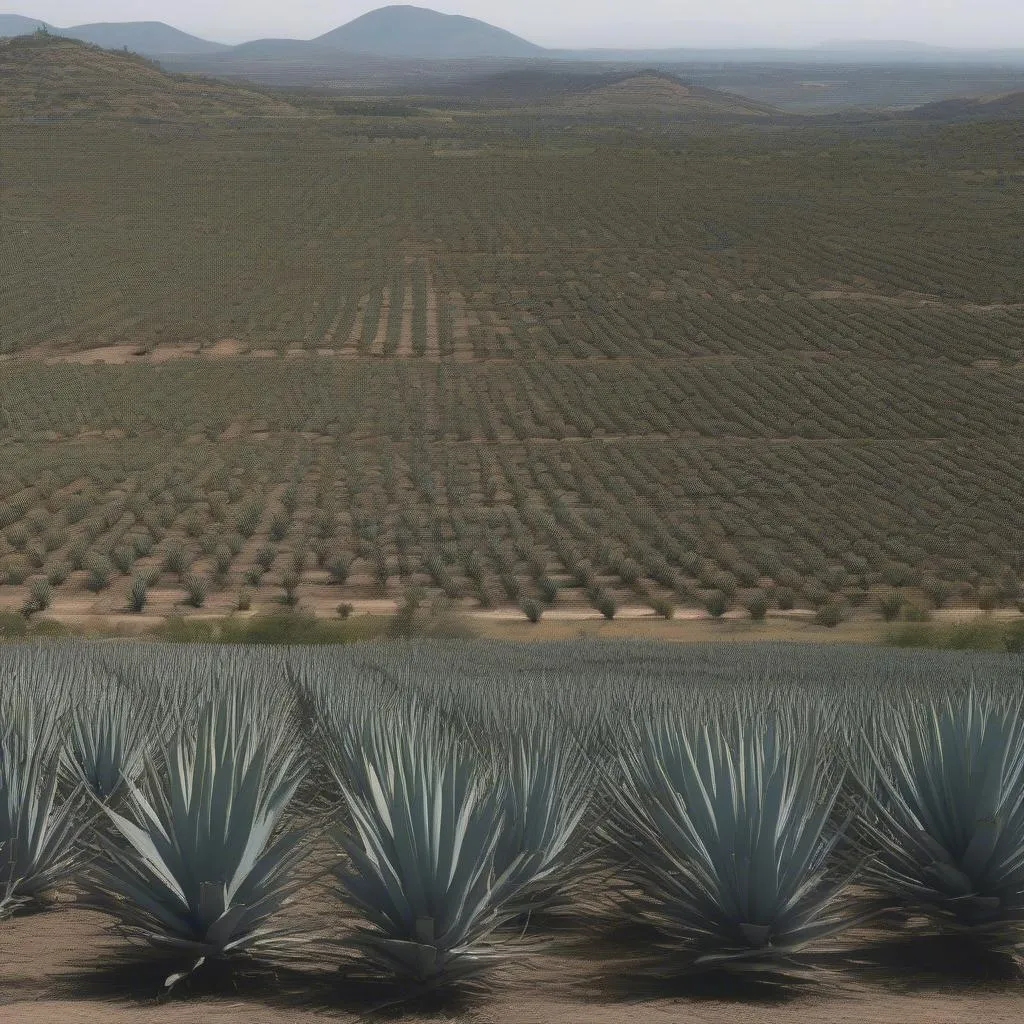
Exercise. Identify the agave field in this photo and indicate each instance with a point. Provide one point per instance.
(419, 815)
(350, 358)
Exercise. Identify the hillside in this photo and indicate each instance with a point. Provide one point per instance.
(51, 76)
(405, 31)
(655, 93)
(148, 37)
(1009, 104)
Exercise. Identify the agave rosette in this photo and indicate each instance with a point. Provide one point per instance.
(426, 820)
(39, 826)
(729, 830)
(198, 868)
(946, 787)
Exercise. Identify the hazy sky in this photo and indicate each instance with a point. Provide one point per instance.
(586, 22)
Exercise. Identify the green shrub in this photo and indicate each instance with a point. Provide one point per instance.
(830, 614)
(254, 575)
(785, 598)
(891, 604)
(290, 585)
(345, 609)
(77, 553)
(12, 625)
(244, 600)
(937, 591)
(716, 604)
(604, 602)
(279, 526)
(548, 589)
(40, 597)
(663, 607)
(265, 556)
(338, 566)
(123, 558)
(756, 605)
(177, 559)
(58, 573)
(988, 598)
(196, 590)
(532, 608)
(99, 572)
(138, 594)
(17, 572)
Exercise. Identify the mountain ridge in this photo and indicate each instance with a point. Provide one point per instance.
(402, 30)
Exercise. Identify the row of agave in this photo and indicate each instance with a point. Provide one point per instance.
(183, 803)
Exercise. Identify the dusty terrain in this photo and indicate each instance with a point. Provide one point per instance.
(56, 966)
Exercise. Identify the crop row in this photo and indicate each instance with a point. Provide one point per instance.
(117, 237)
(641, 520)
(402, 400)
(418, 804)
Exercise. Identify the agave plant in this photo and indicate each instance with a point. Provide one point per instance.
(38, 828)
(946, 784)
(547, 797)
(108, 734)
(197, 868)
(729, 830)
(426, 823)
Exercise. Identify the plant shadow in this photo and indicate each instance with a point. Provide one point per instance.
(922, 961)
(141, 978)
(629, 965)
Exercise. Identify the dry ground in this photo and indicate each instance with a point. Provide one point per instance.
(54, 967)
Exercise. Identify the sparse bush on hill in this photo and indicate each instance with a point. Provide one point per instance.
(829, 614)
(890, 604)
(99, 572)
(716, 604)
(756, 604)
(138, 594)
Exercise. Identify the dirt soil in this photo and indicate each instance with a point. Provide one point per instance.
(58, 967)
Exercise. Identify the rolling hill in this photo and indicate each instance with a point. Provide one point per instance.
(152, 38)
(1008, 104)
(52, 76)
(405, 31)
(148, 37)
(655, 93)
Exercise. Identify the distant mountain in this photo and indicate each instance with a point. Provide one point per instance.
(261, 49)
(57, 77)
(16, 25)
(152, 38)
(884, 46)
(405, 31)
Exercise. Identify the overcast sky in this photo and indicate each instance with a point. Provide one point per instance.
(585, 22)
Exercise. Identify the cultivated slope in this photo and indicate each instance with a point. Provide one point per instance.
(405, 31)
(50, 76)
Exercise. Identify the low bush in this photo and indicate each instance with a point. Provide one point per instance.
(830, 614)
(891, 604)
